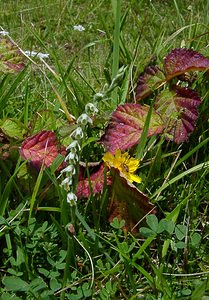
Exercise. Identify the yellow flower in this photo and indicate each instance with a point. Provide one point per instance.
(126, 165)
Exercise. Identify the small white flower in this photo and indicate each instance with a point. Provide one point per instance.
(3, 32)
(66, 183)
(78, 133)
(71, 199)
(78, 27)
(39, 55)
(84, 119)
(74, 146)
(72, 158)
(91, 108)
(98, 97)
(70, 170)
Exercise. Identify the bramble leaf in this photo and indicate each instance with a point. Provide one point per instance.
(94, 183)
(183, 60)
(128, 203)
(150, 80)
(178, 108)
(126, 125)
(12, 128)
(41, 148)
(11, 58)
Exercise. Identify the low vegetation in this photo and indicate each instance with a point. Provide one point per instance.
(104, 150)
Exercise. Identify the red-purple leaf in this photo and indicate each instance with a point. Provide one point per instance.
(41, 148)
(178, 109)
(126, 126)
(11, 59)
(150, 80)
(128, 202)
(184, 60)
(94, 183)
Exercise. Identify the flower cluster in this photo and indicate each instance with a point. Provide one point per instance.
(74, 150)
(124, 163)
(4, 33)
(36, 54)
(78, 27)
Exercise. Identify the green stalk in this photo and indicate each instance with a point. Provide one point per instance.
(143, 138)
(116, 4)
(68, 263)
(35, 192)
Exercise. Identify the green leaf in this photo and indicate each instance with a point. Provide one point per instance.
(7, 296)
(166, 225)
(2, 220)
(146, 232)
(12, 128)
(44, 272)
(180, 245)
(180, 231)
(162, 226)
(14, 272)
(195, 239)
(117, 224)
(37, 285)
(186, 292)
(152, 222)
(170, 226)
(54, 284)
(13, 283)
(86, 290)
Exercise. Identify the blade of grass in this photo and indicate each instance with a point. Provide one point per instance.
(35, 192)
(178, 177)
(191, 152)
(12, 87)
(143, 138)
(8, 188)
(116, 45)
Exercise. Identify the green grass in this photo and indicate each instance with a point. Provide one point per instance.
(40, 258)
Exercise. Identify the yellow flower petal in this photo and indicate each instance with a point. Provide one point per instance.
(108, 158)
(135, 178)
(133, 164)
(122, 161)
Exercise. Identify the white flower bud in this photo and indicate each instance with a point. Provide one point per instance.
(38, 54)
(74, 146)
(98, 97)
(71, 199)
(90, 108)
(66, 183)
(3, 32)
(70, 170)
(78, 27)
(84, 119)
(72, 158)
(78, 133)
